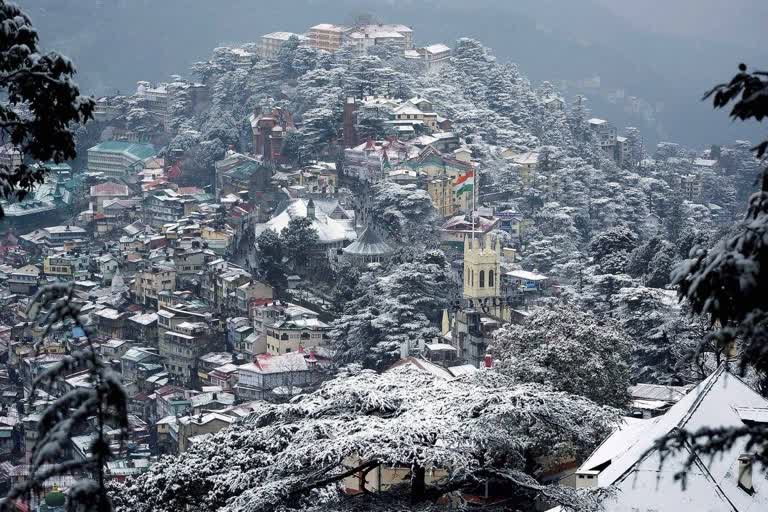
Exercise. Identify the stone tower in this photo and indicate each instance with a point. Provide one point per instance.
(482, 259)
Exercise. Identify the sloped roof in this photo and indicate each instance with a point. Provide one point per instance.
(369, 243)
(110, 189)
(711, 484)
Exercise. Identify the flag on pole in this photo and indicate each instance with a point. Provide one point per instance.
(464, 183)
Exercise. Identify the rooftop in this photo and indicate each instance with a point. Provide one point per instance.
(137, 150)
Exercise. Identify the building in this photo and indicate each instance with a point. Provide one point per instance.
(256, 380)
(183, 336)
(335, 226)
(628, 461)
(186, 428)
(116, 159)
(10, 157)
(24, 280)
(149, 283)
(363, 37)
(110, 323)
(272, 43)
(433, 57)
(327, 37)
(689, 185)
(606, 134)
(370, 247)
(268, 131)
(108, 191)
(527, 163)
(66, 265)
(281, 328)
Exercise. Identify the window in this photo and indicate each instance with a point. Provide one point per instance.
(472, 278)
(491, 283)
(482, 279)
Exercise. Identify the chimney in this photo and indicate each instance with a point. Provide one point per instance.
(488, 361)
(215, 396)
(586, 479)
(745, 473)
(404, 350)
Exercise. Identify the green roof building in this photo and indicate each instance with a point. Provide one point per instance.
(116, 158)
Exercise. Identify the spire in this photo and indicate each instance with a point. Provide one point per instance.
(310, 209)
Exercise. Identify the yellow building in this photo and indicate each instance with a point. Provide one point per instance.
(528, 164)
(482, 262)
(295, 335)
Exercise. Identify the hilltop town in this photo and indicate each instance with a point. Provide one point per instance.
(348, 227)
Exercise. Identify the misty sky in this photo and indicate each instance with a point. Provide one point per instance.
(665, 52)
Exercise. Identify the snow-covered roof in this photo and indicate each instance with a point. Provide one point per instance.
(266, 363)
(282, 36)
(597, 121)
(329, 230)
(642, 481)
(528, 276)
(369, 243)
(437, 48)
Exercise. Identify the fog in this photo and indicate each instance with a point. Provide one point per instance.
(665, 54)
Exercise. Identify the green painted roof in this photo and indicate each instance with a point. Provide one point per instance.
(55, 499)
(137, 150)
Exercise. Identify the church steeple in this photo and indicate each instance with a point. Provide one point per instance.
(482, 262)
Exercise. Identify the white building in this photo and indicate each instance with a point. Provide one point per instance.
(731, 481)
(272, 43)
(117, 159)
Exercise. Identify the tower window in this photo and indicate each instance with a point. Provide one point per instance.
(490, 279)
(482, 279)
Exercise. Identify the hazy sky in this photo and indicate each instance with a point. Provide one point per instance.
(739, 21)
(667, 52)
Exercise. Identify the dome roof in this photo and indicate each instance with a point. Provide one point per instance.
(369, 243)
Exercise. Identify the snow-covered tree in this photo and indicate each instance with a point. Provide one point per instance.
(468, 433)
(567, 349)
(406, 213)
(299, 239)
(393, 307)
(41, 103)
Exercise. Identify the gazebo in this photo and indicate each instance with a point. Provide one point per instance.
(370, 247)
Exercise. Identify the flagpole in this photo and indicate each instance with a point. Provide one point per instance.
(474, 184)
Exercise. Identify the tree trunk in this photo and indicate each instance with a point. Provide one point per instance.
(418, 484)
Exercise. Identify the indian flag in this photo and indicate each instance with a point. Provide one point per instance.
(464, 183)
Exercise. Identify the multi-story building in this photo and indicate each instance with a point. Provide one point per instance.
(219, 285)
(167, 206)
(24, 280)
(432, 57)
(327, 36)
(527, 163)
(184, 336)
(10, 157)
(105, 110)
(267, 373)
(66, 265)
(116, 159)
(282, 328)
(149, 283)
(109, 191)
(110, 323)
(690, 186)
(606, 134)
(249, 292)
(363, 37)
(272, 43)
(143, 327)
